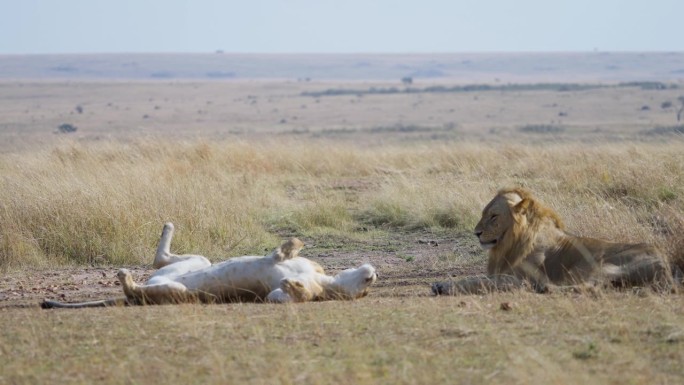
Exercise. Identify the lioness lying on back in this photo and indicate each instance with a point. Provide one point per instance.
(527, 242)
(281, 276)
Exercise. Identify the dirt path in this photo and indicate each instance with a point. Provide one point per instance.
(407, 265)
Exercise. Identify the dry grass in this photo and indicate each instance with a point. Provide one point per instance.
(615, 338)
(235, 180)
(104, 203)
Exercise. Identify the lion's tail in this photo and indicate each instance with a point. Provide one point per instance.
(47, 304)
(676, 249)
(677, 264)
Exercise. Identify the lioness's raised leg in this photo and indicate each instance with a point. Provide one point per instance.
(287, 250)
(164, 257)
(478, 285)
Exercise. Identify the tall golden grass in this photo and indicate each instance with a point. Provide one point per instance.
(106, 202)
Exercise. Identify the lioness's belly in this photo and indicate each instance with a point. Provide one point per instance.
(238, 278)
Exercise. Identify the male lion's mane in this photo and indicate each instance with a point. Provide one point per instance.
(520, 239)
(528, 244)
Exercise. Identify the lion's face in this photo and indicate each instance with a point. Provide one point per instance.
(354, 283)
(497, 219)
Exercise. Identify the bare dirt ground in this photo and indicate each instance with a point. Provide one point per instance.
(407, 264)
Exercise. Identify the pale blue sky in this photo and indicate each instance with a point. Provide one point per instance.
(344, 26)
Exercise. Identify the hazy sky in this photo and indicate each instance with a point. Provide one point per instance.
(86, 26)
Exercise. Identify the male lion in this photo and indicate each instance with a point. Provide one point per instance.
(280, 277)
(527, 244)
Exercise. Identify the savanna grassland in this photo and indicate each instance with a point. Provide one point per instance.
(396, 179)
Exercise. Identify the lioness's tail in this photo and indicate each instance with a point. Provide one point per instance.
(47, 304)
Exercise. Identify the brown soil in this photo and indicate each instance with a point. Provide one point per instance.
(407, 265)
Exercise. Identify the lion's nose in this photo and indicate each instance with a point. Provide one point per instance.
(478, 233)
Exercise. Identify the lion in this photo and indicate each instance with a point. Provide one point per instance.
(528, 245)
(279, 277)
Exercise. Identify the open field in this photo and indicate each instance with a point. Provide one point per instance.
(395, 179)
(614, 339)
(32, 112)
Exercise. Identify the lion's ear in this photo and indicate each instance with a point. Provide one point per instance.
(523, 206)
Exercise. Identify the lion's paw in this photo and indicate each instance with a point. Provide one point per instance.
(291, 285)
(295, 289)
(127, 282)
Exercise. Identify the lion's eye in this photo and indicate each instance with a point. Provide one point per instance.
(493, 217)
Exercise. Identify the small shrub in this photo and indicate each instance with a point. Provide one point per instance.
(591, 351)
(646, 85)
(666, 130)
(67, 128)
(541, 129)
(384, 213)
(666, 194)
(446, 219)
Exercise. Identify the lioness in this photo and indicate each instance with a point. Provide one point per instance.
(527, 243)
(281, 276)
